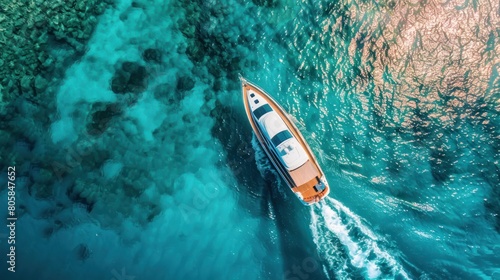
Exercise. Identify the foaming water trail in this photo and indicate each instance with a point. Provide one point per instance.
(347, 245)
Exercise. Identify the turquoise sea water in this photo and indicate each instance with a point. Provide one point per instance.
(142, 164)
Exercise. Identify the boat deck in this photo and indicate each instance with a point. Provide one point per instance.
(305, 177)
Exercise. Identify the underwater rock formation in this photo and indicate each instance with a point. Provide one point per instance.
(184, 83)
(82, 252)
(30, 29)
(131, 77)
(152, 55)
(100, 117)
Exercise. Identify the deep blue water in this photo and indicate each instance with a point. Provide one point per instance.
(141, 163)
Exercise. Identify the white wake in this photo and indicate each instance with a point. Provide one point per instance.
(348, 245)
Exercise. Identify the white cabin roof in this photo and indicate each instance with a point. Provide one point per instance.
(290, 151)
(272, 124)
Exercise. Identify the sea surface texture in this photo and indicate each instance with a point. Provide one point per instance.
(134, 158)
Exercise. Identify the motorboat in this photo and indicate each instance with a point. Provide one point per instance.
(284, 144)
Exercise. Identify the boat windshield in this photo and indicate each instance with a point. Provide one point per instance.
(280, 137)
(259, 112)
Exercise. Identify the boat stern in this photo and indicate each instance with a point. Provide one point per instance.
(322, 188)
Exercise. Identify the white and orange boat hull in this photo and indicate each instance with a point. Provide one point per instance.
(292, 157)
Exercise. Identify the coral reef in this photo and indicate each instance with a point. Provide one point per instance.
(31, 33)
(206, 32)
